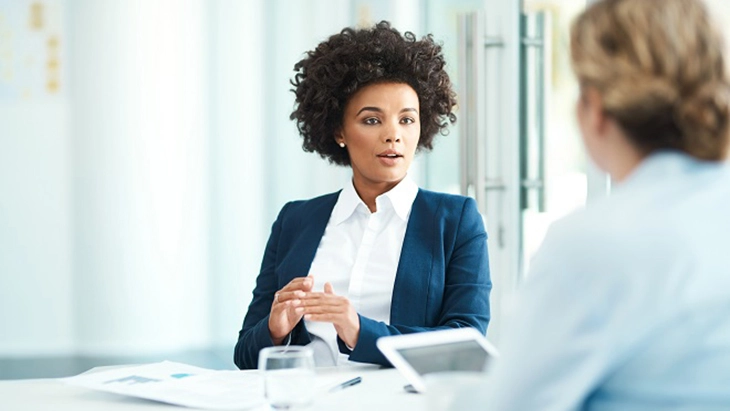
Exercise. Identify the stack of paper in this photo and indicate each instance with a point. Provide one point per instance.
(179, 384)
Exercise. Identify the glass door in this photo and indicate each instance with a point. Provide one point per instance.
(518, 150)
(554, 167)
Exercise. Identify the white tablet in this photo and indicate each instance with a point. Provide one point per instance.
(458, 349)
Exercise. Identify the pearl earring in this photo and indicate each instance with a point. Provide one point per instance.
(342, 145)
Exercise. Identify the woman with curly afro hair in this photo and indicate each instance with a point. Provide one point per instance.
(381, 256)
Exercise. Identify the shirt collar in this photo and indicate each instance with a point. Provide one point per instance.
(347, 203)
(400, 198)
(661, 165)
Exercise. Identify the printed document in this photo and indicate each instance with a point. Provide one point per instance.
(180, 384)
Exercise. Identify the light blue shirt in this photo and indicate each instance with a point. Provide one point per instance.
(627, 303)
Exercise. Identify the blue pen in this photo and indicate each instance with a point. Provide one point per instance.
(348, 383)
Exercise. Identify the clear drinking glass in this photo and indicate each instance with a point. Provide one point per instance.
(288, 375)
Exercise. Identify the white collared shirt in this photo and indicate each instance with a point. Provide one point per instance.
(358, 255)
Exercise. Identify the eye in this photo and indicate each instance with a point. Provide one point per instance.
(371, 121)
(407, 120)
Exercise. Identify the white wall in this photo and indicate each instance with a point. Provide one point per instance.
(104, 187)
(36, 310)
(139, 138)
(237, 160)
(36, 233)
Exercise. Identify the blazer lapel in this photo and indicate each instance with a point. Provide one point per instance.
(410, 291)
(314, 222)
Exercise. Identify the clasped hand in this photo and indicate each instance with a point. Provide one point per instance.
(296, 300)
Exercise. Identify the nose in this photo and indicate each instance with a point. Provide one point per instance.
(392, 134)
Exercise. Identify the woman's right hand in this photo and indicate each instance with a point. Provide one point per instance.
(283, 317)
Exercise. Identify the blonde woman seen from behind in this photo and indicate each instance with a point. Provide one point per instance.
(627, 305)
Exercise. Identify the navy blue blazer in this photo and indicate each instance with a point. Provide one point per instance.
(442, 280)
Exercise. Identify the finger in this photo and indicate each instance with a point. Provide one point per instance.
(295, 282)
(279, 306)
(282, 319)
(284, 296)
(308, 283)
(288, 310)
(299, 283)
(321, 309)
(328, 288)
(285, 305)
(323, 296)
(323, 301)
(325, 318)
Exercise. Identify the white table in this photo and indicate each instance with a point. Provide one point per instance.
(380, 390)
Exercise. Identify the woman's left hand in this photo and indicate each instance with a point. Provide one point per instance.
(332, 308)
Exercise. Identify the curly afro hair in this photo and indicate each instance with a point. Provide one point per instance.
(328, 76)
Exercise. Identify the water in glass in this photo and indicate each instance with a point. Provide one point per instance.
(288, 376)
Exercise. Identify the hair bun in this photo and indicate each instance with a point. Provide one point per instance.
(704, 117)
(660, 67)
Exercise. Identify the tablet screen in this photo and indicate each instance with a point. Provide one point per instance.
(453, 356)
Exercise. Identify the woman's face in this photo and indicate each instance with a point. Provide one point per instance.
(380, 128)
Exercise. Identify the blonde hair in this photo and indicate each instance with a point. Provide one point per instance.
(660, 70)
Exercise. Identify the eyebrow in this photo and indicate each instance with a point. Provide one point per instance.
(377, 109)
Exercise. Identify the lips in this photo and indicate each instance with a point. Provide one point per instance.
(390, 154)
(390, 158)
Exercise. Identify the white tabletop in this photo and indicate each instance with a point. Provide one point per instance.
(380, 390)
